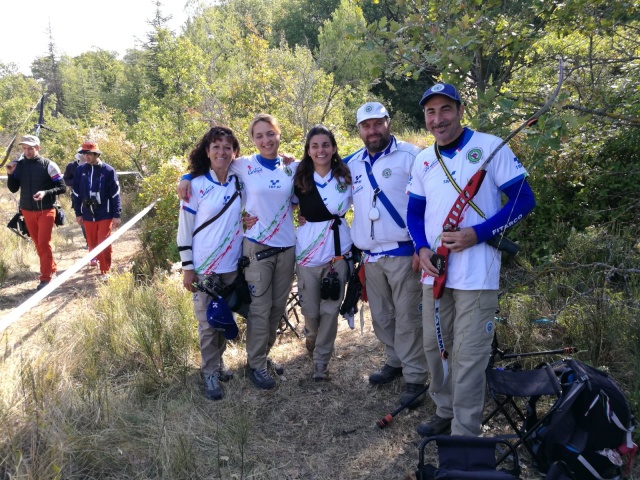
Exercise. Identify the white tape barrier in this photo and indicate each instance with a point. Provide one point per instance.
(32, 301)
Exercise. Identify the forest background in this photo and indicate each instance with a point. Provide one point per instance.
(316, 61)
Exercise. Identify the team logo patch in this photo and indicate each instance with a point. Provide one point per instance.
(288, 171)
(386, 173)
(489, 327)
(341, 187)
(368, 108)
(438, 87)
(474, 155)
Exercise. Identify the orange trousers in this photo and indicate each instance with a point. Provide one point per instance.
(98, 232)
(40, 225)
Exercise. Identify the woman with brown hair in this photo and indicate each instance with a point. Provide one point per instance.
(322, 186)
(209, 246)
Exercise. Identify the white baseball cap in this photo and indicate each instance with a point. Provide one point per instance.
(371, 110)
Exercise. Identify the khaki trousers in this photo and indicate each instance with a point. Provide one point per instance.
(270, 283)
(395, 296)
(320, 316)
(467, 321)
(212, 342)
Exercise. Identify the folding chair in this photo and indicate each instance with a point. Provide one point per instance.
(507, 387)
(293, 302)
(462, 457)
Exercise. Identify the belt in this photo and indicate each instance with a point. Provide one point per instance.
(270, 252)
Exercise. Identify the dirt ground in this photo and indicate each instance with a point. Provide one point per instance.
(307, 430)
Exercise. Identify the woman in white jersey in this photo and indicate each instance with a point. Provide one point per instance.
(211, 246)
(267, 187)
(322, 186)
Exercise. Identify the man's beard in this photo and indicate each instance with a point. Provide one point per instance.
(377, 145)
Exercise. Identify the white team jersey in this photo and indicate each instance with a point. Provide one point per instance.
(218, 246)
(267, 195)
(391, 171)
(314, 240)
(477, 267)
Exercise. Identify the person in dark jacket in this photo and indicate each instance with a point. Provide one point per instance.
(70, 169)
(96, 201)
(40, 182)
(69, 174)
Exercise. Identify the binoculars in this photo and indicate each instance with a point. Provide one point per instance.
(330, 287)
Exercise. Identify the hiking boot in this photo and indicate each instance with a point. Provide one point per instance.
(385, 375)
(41, 285)
(409, 398)
(276, 367)
(434, 426)
(321, 372)
(224, 373)
(212, 388)
(261, 378)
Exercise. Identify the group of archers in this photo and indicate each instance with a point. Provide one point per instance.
(234, 207)
(95, 198)
(401, 197)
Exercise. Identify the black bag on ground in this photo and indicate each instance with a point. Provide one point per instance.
(589, 433)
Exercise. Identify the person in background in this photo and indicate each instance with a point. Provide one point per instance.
(96, 202)
(470, 298)
(323, 244)
(213, 247)
(380, 173)
(40, 182)
(267, 187)
(69, 174)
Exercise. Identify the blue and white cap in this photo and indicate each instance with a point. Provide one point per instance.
(440, 88)
(219, 316)
(370, 110)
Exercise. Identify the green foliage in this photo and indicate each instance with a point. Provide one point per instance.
(159, 228)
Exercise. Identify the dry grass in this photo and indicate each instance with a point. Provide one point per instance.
(80, 402)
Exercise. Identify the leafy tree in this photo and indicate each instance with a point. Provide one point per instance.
(343, 52)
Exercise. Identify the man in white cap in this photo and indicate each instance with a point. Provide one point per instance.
(380, 174)
(40, 182)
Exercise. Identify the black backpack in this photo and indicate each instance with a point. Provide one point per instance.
(588, 434)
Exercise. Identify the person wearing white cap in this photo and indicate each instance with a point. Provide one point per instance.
(462, 340)
(40, 182)
(380, 174)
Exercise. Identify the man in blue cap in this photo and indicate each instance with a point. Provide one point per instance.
(470, 299)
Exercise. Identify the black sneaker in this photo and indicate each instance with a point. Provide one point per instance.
(41, 285)
(224, 373)
(276, 367)
(434, 426)
(385, 375)
(321, 372)
(212, 388)
(261, 378)
(409, 398)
